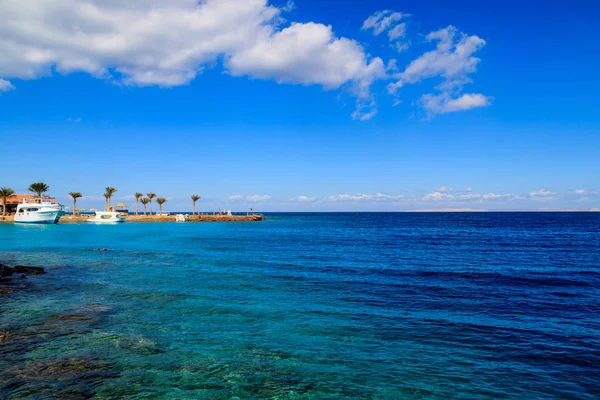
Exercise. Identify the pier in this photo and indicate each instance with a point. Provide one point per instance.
(74, 219)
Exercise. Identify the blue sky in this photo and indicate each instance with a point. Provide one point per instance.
(305, 106)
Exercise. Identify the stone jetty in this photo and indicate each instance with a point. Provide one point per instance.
(73, 219)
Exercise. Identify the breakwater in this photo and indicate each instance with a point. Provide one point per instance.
(71, 219)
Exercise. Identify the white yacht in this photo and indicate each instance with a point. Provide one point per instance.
(38, 211)
(107, 217)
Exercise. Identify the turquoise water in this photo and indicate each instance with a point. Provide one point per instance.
(306, 306)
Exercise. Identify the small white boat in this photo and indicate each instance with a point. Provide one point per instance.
(107, 217)
(181, 218)
(38, 211)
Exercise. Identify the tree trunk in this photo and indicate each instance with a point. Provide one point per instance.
(74, 207)
(193, 208)
(144, 210)
(137, 204)
(150, 207)
(4, 207)
(160, 205)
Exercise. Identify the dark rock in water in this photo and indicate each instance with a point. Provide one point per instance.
(23, 269)
(75, 377)
(78, 318)
(5, 271)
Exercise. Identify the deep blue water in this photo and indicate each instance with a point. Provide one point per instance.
(306, 306)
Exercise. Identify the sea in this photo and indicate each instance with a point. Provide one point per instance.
(306, 306)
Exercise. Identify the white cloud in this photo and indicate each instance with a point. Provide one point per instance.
(468, 189)
(382, 21)
(389, 21)
(364, 197)
(437, 196)
(542, 193)
(450, 210)
(153, 42)
(444, 194)
(6, 86)
(453, 61)
(399, 31)
(303, 199)
(401, 47)
(252, 198)
(289, 6)
(443, 103)
(580, 191)
(545, 194)
(468, 196)
(257, 198)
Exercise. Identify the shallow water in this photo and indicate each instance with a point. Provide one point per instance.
(306, 306)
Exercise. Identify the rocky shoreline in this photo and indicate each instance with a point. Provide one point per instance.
(72, 376)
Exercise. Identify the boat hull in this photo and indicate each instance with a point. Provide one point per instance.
(107, 217)
(108, 221)
(46, 217)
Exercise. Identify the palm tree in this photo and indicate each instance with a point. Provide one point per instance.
(145, 202)
(161, 201)
(5, 193)
(138, 196)
(195, 198)
(39, 188)
(108, 194)
(75, 196)
(151, 196)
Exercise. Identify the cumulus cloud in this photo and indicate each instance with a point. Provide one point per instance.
(452, 60)
(580, 191)
(443, 189)
(153, 42)
(6, 86)
(311, 54)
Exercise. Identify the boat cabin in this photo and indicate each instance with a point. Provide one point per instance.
(12, 202)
